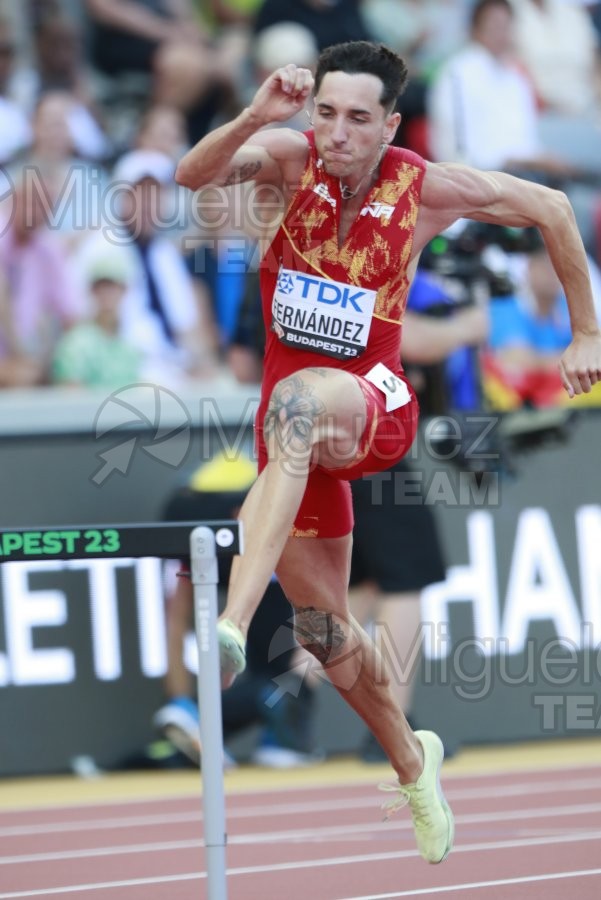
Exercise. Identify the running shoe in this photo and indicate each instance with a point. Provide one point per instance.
(232, 651)
(178, 722)
(432, 818)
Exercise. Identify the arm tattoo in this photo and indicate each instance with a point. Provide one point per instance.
(317, 631)
(291, 414)
(242, 173)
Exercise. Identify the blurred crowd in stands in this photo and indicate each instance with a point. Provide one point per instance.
(111, 274)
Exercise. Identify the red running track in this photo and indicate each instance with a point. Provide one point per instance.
(520, 836)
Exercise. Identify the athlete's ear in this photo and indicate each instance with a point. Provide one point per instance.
(390, 126)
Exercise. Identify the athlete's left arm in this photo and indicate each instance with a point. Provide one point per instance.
(452, 191)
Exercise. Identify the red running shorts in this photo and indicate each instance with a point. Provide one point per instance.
(326, 509)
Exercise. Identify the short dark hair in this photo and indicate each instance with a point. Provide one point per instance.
(365, 58)
(482, 6)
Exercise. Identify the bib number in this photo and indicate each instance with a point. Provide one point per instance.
(327, 317)
(394, 388)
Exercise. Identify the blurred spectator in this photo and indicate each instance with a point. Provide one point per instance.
(161, 313)
(230, 24)
(63, 145)
(424, 32)
(163, 128)
(15, 130)
(220, 14)
(276, 46)
(330, 21)
(58, 65)
(164, 40)
(558, 46)
(482, 109)
(93, 353)
(529, 331)
(594, 10)
(247, 345)
(38, 296)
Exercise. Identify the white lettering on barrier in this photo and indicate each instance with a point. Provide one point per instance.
(588, 541)
(538, 588)
(106, 641)
(150, 599)
(476, 582)
(25, 611)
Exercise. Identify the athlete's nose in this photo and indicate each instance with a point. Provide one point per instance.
(339, 131)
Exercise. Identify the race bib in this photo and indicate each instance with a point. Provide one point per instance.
(394, 388)
(328, 317)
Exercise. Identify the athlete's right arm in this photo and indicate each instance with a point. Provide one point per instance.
(239, 151)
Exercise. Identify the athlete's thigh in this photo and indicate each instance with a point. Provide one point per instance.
(324, 402)
(315, 572)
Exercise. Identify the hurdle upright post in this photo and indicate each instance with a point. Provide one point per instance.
(205, 578)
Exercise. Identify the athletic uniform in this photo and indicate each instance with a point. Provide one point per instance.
(342, 307)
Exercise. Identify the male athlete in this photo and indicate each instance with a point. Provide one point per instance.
(338, 259)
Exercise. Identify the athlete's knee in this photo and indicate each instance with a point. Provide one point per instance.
(294, 408)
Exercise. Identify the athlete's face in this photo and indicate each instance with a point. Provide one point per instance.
(350, 123)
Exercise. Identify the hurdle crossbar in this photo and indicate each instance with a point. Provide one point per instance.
(166, 540)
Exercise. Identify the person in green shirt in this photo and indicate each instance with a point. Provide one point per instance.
(93, 353)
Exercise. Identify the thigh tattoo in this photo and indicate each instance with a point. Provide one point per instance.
(293, 408)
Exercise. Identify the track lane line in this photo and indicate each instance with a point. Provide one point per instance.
(327, 862)
(308, 834)
(284, 809)
(475, 885)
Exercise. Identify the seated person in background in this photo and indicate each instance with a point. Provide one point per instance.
(61, 144)
(558, 47)
(482, 108)
(270, 694)
(38, 292)
(161, 311)
(93, 353)
(15, 129)
(58, 65)
(529, 331)
(483, 111)
(330, 21)
(162, 128)
(165, 41)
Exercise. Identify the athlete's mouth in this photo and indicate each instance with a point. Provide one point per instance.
(337, 154)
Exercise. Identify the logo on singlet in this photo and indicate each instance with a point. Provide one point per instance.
(285, 283)
(377, 211)
(323, 191)
(319, 314)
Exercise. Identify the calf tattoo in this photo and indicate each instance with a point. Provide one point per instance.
(291, 414)
(319, 633)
